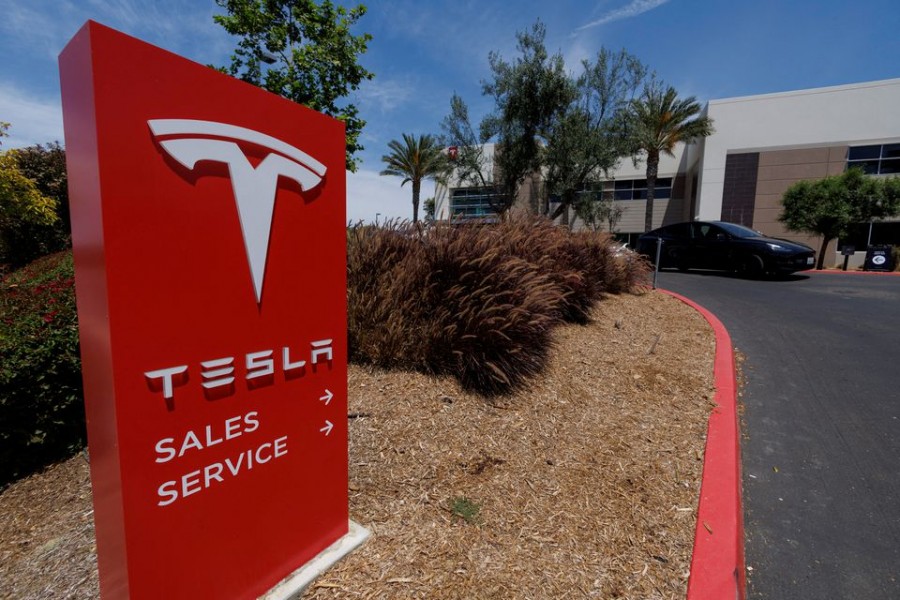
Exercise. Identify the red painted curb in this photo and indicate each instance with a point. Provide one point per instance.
(839, 272)
(717, 565)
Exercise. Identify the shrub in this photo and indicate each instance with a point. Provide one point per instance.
(41, 408)
(475, 301)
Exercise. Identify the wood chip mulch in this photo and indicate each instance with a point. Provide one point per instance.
(584, 485)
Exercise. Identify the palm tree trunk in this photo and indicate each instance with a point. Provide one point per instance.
(652, 170)
(416, 189)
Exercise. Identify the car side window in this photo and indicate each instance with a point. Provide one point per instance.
(716, 233)
(678, 230)
(701, 231)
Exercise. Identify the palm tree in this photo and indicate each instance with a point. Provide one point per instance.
(415, 159)
(658, 121)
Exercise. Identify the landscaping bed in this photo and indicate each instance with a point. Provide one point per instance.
(582, 483)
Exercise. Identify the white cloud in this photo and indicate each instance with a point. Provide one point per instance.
(34, 120)
(369, 195)
(385, 94)
(632, 9)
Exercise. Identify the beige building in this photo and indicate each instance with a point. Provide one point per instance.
(761, 146)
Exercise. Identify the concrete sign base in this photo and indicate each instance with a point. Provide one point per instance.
(296, 583)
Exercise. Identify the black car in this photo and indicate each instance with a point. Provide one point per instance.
(725, 246)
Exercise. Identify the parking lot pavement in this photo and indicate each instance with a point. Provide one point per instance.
(821, 428)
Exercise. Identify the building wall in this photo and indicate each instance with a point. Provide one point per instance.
(779, 170)
(857, 114)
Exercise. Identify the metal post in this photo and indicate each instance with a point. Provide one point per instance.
(659, 244)
(869, 241)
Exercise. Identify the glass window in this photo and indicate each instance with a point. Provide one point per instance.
(869, 167)
(890, 151)
(864, 152)
(636, 189)
(472, 203)
(890, 167)
(875, 160)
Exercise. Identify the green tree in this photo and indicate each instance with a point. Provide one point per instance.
(301, 50)
(471, 164)
(597, 210)
(829, 206)
(415, 159)
(530, 94)
(429, 205)
(586, 140)
(21, 205)
(658, 121)
(46, 166)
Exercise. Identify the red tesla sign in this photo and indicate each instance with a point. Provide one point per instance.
(208, 224)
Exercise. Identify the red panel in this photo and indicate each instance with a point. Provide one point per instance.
(215, 491)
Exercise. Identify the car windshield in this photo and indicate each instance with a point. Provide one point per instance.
(739, 230)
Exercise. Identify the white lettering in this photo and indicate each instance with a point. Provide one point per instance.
(208, 475)
(321, 348)
(217, 373)
(190, 484)
(235, 468)
(286, 363)
(262, 461)
(190, 441)
(251, 421)
(168, 387)
(281, 446)
(210, 440)
(260, 368)
(166, 453)
(222, 372)
(171, 493)
(233, 428)
(198, 480)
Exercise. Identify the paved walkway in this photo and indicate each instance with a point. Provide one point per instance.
(821, 429)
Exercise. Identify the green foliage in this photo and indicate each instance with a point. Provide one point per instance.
(41, 408)
(24, 213)
(598, 210)
(466, 509)
(658, 120)
(429, 209)
(28, 240)
(415, 159)
(475, 302)
(301, 50)
(829, 206)
(472, 166)
(570, 127)
(586, 141)
(530, 94)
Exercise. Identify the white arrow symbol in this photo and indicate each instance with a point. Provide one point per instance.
(327, 397)
(328, 426)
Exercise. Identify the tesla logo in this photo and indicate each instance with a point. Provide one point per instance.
(190, 142)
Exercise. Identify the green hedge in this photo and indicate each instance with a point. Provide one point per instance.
(41, 408)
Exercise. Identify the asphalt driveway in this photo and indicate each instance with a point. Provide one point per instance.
(821, 428)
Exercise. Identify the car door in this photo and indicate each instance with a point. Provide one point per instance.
(710, 246)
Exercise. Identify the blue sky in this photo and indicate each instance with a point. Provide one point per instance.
(423, 51)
